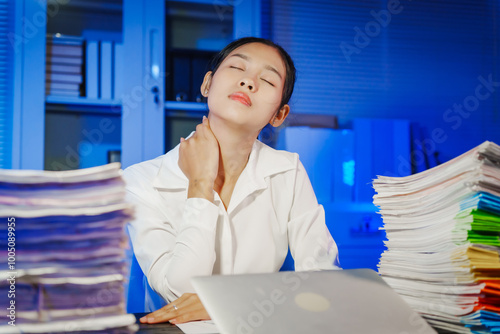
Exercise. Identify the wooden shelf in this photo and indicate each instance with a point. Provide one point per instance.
(81, 100)
(96, 6)
(201, 2)
(101, 106)
(186, 106)
(82, 105)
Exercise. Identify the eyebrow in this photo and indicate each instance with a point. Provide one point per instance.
(267, 67)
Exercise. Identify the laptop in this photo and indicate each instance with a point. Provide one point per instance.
(333, 301)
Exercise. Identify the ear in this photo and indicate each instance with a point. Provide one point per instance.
(280, 116)
(205, 86)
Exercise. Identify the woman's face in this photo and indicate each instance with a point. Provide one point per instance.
(246, 89)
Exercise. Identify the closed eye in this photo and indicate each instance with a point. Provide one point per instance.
(267, 82)
(238, 68)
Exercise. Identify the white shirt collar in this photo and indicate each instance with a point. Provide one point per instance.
(263, 162)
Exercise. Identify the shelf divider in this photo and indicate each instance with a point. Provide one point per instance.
(67, 104)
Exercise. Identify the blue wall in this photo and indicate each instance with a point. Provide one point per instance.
(415, 60)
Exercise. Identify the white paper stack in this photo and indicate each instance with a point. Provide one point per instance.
(443, 228)
(62, 251)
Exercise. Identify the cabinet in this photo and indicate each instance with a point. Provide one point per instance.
(141, 117)
(82, 100)
(194, 33)
(150, 124)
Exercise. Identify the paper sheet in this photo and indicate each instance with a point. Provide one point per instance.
(199, 327)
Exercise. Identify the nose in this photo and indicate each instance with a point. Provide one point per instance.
(249, 84)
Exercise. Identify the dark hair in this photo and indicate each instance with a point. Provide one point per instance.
(289, 66)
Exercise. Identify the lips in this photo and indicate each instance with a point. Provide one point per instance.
(241, 97)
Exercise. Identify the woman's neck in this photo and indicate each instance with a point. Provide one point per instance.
(235, 147)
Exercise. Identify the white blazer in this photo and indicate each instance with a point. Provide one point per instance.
(272, 207)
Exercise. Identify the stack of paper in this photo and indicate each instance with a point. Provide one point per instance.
(62, 251)
(443, 246)
(64, 65)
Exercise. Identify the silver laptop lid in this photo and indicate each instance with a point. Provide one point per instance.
(336, 301)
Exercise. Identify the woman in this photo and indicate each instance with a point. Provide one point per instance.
(222, 202)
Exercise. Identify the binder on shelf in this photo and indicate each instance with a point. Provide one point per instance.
(106, 79)
(118, 71)
(181, 87)
(198, 70)
(92, 70)
(64, 72)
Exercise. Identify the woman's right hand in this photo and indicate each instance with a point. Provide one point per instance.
(199, 161)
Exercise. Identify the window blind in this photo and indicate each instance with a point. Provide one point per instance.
(5, 95)
(312, 32)
(355, 60)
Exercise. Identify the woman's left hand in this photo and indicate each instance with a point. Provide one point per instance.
(186, 308)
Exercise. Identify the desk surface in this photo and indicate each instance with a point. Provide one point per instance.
(165, 328)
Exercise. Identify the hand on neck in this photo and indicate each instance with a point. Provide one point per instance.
(235, 146)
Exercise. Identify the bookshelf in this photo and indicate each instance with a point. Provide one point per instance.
(83, 47)
(93, 83)
(82, 105)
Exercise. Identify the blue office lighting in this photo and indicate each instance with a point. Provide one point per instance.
(348, 168)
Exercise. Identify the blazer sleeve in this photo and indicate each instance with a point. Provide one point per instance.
(311, 243)
(170, 249)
